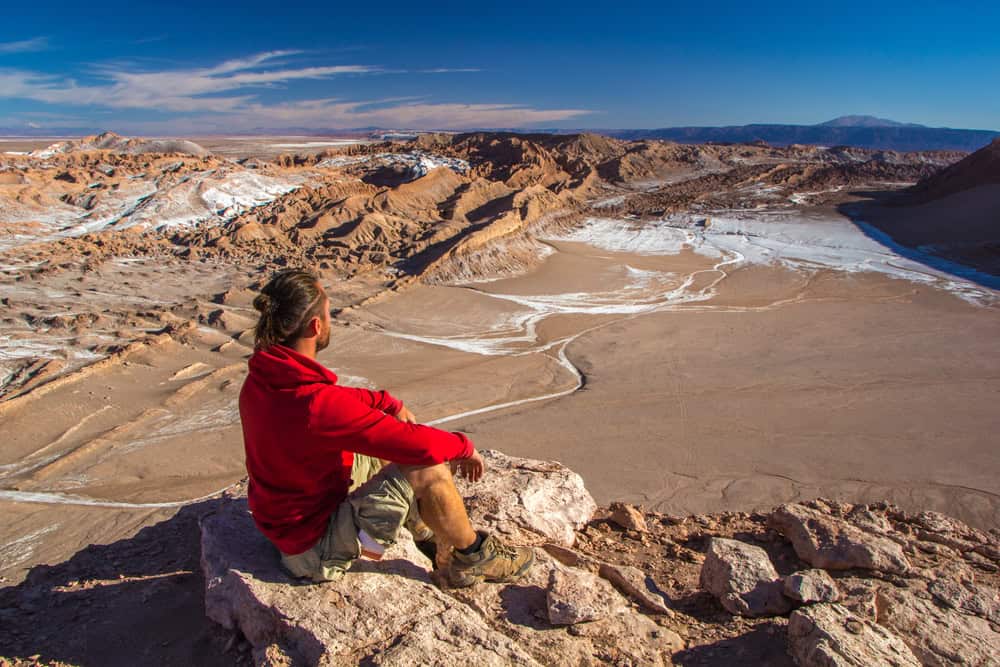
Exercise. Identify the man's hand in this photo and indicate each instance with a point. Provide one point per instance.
(471, 468)
(404, 415)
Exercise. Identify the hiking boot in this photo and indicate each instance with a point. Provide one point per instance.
(495, 561)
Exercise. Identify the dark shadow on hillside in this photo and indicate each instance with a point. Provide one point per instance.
(872, 205)
(762, 645)
(137, 601)
(141, 600)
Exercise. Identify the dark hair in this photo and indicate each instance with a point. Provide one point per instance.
(286, 304)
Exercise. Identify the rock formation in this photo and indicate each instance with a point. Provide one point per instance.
(834, 544)
(742, 577)
(390, 612)
(830, 636)
(582, 603)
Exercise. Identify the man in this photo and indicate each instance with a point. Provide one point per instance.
(314, 452)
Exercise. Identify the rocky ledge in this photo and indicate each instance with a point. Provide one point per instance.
(826, 583)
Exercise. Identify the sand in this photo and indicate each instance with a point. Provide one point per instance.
(780, 353)
(686, 382)
(784, 385)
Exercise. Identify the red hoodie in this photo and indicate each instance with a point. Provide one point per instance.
(300, 429)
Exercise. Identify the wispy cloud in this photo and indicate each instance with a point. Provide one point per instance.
(449, 70)
(227, 96)
(149, 40)
(337, 114)
(181, 90)
(25, 45)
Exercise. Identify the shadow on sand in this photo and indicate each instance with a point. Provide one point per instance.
(873, 204)
(137, 601)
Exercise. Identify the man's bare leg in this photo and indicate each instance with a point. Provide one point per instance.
(441, 506)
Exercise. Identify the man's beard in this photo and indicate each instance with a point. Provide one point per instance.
(324, 339)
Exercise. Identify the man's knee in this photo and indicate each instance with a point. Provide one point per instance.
(422, 478)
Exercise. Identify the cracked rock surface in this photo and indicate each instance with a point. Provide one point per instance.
(389, 612)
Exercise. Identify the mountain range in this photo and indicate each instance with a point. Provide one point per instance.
(858, 131)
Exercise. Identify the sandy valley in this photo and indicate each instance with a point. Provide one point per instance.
(692, 329)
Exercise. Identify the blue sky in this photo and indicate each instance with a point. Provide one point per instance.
(209, 67)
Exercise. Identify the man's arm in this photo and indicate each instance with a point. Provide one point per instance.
(380, 400)
(472, 467)
(338, 417)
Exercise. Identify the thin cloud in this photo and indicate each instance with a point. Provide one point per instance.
(25, 45)
(337, 114)
(149, 40)
(449, 70)
(180, 90)
(223, 96)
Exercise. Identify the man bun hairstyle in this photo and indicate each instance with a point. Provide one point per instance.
(286, 304)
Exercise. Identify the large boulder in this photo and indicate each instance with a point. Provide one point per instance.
(967, 596)
(742, 577)
(938, 635)
(575, 596)
(829, 542)
(530, 501)
(828, 635)
(389, 612)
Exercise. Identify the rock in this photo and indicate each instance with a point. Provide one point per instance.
(85, 201)
(742, 577)
(388, 612)
(529, 501)
(521, 611)
(378, 609)
(978, 600)
(858, 595)
(938, 636)
(811, 586)
(975, 545)
(634, 584)
(228, 320)
(870, 521)
(831, 543)
(577, 596)
(567, 556)
(828, 635)
(628, 517)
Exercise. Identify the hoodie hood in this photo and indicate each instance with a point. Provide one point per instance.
(281, 367)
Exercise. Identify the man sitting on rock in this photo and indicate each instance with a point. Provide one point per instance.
(336, 469)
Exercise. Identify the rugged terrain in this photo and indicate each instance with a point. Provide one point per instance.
(818, 583)
(694, 328)
(950, 216)
(374, 216)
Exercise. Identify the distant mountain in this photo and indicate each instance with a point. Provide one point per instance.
(865, 121)
(860, 131)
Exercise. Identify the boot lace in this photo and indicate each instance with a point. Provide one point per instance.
(504, 550)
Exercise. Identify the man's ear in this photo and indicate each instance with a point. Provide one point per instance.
(315, 326)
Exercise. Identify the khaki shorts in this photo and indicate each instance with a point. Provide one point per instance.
(380, 502)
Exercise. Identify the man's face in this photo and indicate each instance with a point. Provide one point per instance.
(323, 340)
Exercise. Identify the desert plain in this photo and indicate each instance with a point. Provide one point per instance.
(690, 328)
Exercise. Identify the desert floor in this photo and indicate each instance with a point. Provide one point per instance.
(686, 376)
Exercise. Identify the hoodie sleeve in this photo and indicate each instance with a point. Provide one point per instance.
(380, 400)
(342, 419)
